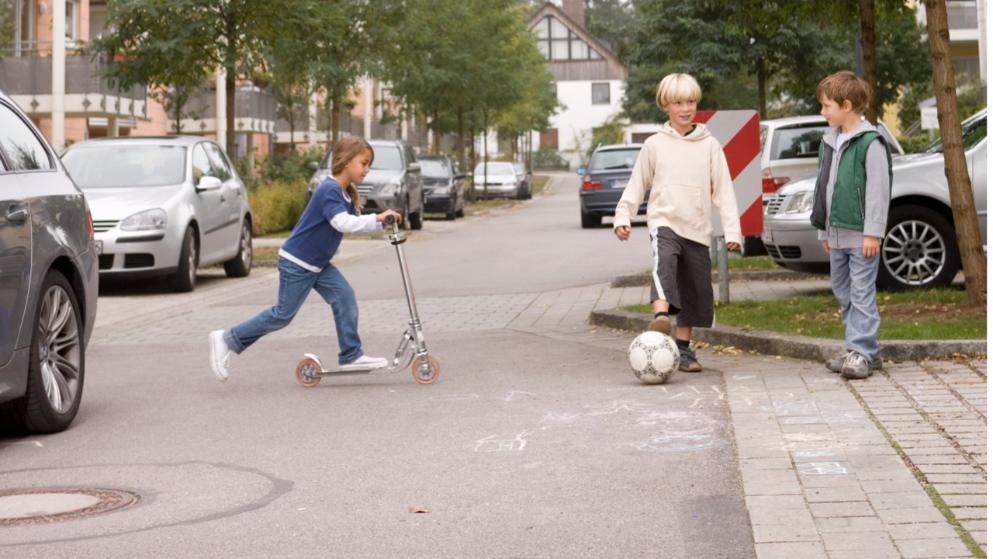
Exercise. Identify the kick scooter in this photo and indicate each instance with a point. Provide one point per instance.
(412, 348)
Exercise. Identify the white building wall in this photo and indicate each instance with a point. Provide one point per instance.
(578, 116)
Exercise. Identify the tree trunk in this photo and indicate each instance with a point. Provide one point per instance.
(335, 120)
(229, 90)
(291, 120)
(760, 75)
(472, 162)
(486, 154)
(460, 145)
(959, 186)
(867, 36)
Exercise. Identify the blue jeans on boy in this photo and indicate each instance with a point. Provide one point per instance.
(295, 284)
(853, 280)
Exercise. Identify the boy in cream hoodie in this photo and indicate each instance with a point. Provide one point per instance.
(685, 168)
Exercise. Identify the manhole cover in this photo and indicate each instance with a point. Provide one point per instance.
(40, 505)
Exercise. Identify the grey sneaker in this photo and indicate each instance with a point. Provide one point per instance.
(856, 367)
(219, 354)
(661, 324)
(688, 362)
(838, 361)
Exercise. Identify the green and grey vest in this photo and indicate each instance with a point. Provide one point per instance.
(848, 199)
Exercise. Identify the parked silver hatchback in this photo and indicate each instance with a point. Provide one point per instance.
(919, 249)
(164, 206)
(48, 281)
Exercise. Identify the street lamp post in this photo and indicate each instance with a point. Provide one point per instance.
(58, 74)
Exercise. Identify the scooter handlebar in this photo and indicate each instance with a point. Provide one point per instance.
(390, 220)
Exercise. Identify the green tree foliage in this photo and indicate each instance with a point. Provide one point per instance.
(767, 54)
(7, 27)
(613, 22)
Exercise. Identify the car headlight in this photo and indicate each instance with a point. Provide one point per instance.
(143, 221)
(801, 202)
(391, 188)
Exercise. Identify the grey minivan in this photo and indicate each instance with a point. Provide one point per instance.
(394, 181)
(48, 281)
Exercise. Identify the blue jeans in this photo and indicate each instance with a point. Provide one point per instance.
(295, 284)
(853, 280)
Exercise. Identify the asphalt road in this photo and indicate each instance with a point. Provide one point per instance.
(533, 443)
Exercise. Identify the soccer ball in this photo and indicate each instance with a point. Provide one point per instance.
(653, 357)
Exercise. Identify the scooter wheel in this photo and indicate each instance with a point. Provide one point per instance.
(426, 369)
(308, 370)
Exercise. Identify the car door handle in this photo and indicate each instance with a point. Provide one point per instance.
(17, 214)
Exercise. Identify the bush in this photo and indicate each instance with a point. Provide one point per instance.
(290, 167)
(277, 206)
(916, 143)
(546, 157)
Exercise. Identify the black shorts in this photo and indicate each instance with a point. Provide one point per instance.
(681, 276)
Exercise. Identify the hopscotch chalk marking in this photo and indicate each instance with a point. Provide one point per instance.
(516, 394)
(821, 469)
(492, 444)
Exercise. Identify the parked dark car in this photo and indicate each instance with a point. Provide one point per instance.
(604, 180)
(444, 186)
(48, 281)
(526, 179)
(393, 183)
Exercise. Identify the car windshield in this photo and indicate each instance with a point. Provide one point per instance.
(495, 168)
(387, 159)
(972, 132)
(126, 166)
(792, 143)
(614, 159)
(434, 168)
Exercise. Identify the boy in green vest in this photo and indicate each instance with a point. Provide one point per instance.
(851, 202)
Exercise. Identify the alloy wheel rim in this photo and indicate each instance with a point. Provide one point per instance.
(246, 246)
(914, 252)
(58, 349)
(192, 261)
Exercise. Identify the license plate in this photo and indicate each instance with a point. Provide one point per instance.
(98, 247)
(620, 183)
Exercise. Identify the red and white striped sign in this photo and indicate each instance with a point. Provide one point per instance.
(738, 133)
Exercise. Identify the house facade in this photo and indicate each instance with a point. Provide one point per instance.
(589, 78)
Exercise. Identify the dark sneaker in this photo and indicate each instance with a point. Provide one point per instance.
(661, 324)
(856, 367)
(688, 362)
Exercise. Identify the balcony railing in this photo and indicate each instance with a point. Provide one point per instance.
(962, 15)
(32, 75)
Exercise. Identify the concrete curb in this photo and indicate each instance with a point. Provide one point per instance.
(800, 347)
(642, 280)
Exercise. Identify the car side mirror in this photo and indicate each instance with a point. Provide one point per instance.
(414, 168)
(208, 183)
(314, 166)
(581, 171)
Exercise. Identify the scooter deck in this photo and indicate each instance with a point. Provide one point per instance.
(309, 370)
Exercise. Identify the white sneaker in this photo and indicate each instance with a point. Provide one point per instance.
(365, 362)
(219, 355)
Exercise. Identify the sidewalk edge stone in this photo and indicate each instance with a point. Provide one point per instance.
(800, 347)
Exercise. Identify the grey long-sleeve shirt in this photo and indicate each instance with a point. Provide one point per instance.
(877, 191)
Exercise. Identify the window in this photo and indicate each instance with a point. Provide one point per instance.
(201, 163)
(22, 149)
(103, 166)
(601, 94)
(608, 160)
(558, 42)
(218, 165)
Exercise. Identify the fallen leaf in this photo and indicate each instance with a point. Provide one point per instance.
(417, 510)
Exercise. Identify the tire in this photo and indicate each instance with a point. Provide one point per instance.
(405, 222)
(184, 279)
(451, 214)
(416, 219)
(589, 221)
(918, 251)
(57, 361)
(241, 265)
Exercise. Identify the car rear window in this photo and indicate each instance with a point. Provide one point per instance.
(126, 166)
(614, 159)
(496, 169)
(799, 142)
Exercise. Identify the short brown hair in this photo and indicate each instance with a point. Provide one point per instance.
(845, 86)
(344, 150)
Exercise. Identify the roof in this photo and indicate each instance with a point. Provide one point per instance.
(608, 55)
(791, 120)
(178, 140)
(618, 146)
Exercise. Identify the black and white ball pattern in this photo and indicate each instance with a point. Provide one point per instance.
(653, 357)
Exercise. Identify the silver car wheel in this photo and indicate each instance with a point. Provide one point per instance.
(191, 257)
(246, 245)
(914, 252)
(58, 348)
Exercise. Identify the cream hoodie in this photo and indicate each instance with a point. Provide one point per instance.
(688, 176)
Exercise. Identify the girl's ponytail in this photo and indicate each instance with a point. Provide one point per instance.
(344, 150)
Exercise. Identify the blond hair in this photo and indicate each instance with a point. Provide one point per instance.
(845, 86)
(344, 150)
(675, 88)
